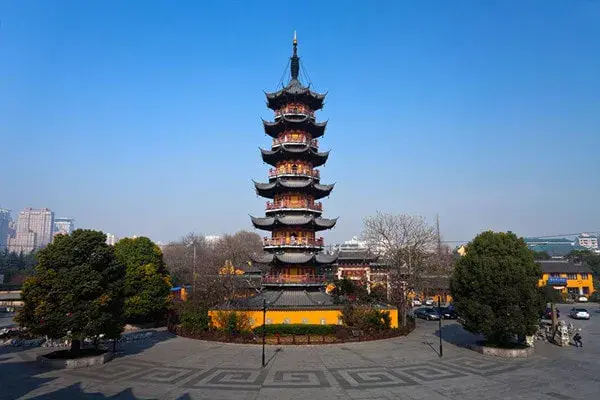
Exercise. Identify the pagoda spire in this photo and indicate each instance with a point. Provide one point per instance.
(295, 60)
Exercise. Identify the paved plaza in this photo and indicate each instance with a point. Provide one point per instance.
(169, 367)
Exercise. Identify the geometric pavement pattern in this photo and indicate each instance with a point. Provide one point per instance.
(253, 379)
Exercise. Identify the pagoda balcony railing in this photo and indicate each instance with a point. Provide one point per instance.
(299, 242)
(311, 205)
(275, 172)
(295, 140)
(298, 110)
(297, 279)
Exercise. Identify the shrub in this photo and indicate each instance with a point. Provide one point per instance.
(295, 329)
(233, 322)
(595, 297)
(365, 318)
(194, 318)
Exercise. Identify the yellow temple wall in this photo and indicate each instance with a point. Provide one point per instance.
(310, 317)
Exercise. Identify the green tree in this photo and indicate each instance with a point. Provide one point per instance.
(147, 283)
(541, 256)
(77, 289)
(494, 287)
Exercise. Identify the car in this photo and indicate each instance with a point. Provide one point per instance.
(582, 299)
(416, 302)
(579, 313)
(427, 313)
(429, 302)
(548, 313)
(447, 313)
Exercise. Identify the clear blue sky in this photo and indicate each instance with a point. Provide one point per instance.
(143, 117)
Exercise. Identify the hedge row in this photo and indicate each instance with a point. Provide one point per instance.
(295, 329)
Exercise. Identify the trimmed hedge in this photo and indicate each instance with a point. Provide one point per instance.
(296, 329)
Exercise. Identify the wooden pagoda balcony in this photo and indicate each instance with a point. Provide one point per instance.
(294, 280)
(310, 205)
(294, 110)
(295, 140)
(293, 242)
(275, 172)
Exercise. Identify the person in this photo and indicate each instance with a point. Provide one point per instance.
(577, 340)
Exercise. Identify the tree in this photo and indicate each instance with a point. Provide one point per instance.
(494, 287)
(586, 256)
(77, 289)
(147, 282)
(407, 245)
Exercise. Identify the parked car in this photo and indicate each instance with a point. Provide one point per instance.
(548, 313)
(427, 313)
(579, 313)
(429, 302)
(447, 313)
(416, 302)
(582, 299)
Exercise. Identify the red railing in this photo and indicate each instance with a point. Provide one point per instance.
(275, 172)
(295, 140)
(293, 242)
(294, 279)
(294, 110)
(311, 205)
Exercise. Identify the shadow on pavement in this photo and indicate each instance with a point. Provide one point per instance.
(20, 378)
(455, 334)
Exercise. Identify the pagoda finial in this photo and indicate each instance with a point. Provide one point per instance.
(295, 61)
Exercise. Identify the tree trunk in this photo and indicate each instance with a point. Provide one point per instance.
(75, 346)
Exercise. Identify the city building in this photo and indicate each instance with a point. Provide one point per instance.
(588, 241)
(572, 279)
(557, 248)
(294, 287)
(64, 226)
(5, 233)
(111, 239)
(34, 230)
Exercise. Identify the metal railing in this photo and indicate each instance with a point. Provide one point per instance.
(294, 279)
(275, 172)
(300, 242)
(295, 140)
(311, 205)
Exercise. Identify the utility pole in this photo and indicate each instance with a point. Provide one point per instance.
(439, 237)
(440, 325)
(264, 330)
(194, 269)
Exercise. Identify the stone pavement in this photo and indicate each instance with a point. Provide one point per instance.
(170, 367)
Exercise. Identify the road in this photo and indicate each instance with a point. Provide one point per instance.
(6, 320)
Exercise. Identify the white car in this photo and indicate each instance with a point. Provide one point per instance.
(416, 302)
(579, 313)
(429, 302)
(582, 299)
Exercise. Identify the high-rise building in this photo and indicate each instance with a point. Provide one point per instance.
(4, 227)
(34, 230)
(64, 226)
(111, 239)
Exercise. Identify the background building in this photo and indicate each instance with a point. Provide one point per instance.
(111, 239)
(556, 247)
(34, 230)
(64, 226)
(5, 221)
(587, 241)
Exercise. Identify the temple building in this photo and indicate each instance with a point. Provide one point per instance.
(293, 289)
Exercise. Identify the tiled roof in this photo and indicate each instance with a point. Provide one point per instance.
(565, 267)
(288, 298)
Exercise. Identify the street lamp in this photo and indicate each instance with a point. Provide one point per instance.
(263, 330)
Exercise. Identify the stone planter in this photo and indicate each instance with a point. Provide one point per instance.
(499, 352)
(81, 362)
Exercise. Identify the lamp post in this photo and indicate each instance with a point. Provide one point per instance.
(264, 331)
(440, 324)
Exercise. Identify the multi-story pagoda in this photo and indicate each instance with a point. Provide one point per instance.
(293, 217)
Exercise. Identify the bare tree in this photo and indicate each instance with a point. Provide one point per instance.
(407, 244)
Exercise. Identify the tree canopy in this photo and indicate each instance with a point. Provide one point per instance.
(16, 266)
(77, 289)
(147, 282)
(494, 287)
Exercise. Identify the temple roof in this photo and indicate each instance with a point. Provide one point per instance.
(270, 223)
(307, 186)
(360, 255)
(288, 298)
(295, 258)
(286, 152)
(306, 124)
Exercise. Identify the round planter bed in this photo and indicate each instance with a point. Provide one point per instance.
(515, 351)
(64, 359)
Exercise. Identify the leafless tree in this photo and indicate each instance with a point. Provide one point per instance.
(407, 244)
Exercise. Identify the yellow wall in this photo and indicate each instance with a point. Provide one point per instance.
(578, 283)
(312, 317)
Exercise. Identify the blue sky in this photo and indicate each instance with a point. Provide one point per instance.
(143, 117)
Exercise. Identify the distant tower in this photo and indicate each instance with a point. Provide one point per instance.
(293, 250)
(5, 221)
(64, 226)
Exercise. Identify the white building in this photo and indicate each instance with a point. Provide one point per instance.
(64, 226)
(111, 239)
(588, 241)
(34, 230)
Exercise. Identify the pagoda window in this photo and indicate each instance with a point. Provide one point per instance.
(294, 168)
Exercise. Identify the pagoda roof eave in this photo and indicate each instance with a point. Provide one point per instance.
(295, 258)
(270, 223)
(285, 152)
(308, 124)
(295, 91)
(268, 190)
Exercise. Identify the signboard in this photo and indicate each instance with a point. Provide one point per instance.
(557, 281)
